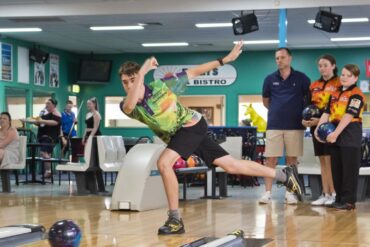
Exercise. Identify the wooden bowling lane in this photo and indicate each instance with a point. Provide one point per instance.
(286, 225)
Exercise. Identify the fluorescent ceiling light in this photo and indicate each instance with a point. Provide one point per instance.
(346, 20)
(211, 25)
(115, 28)
(20, 30)
(351, 39)
(258, 42)
(165, 44)
(365, 19)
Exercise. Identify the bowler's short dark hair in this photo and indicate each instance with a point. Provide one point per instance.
(129, 68)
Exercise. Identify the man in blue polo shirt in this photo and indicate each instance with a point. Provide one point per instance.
(284, 95)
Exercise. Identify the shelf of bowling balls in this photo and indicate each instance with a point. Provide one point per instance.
(193, 165)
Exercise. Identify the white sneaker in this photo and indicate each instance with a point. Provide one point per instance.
(266, 198)
(320, 201)
(290, 198)
(330, 200)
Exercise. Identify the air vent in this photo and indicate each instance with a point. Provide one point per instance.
(35, 19)
(151, 24)
(203, 44)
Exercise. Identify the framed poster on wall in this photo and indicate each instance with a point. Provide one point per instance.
(54, 71)
(6, 62)
(39, 74)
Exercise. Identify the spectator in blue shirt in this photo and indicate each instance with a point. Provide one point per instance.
(68, 125)
(285, 93)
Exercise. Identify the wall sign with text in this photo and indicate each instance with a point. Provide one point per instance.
(221, 76)
(6, 62)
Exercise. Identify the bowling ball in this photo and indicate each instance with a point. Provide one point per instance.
(191, 162)
(324, 130)
(311, 111)
(195, 161)
(65, 233)
(180, 163)
(199, 161)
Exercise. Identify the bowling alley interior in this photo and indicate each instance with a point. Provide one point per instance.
(184, 123)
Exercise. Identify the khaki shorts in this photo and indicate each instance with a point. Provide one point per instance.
(277, 140)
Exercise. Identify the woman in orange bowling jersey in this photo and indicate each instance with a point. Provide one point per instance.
(321, 90)
(345, 112)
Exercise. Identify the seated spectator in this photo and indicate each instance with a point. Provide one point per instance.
(9, 141)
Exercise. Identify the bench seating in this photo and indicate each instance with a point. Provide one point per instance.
(111, 151)
(88, 179)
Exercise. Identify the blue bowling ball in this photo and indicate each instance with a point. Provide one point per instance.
(324, 130)
(311, 111)
(65, 233)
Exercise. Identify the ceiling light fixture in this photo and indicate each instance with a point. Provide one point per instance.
(259, 42)
(347, 20)
(165, 44)
(214, 25)
(350, 39)
(116, 28)
(20, 30)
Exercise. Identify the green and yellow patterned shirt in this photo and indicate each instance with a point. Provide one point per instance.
(161, 111)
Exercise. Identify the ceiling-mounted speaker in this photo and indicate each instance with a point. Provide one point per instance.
(38, 55)
(245, 24)
(327, 21)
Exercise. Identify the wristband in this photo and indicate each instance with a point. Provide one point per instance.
(220, 61)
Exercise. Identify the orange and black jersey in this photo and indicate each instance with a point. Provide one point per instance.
(349, 101)
(321, 90)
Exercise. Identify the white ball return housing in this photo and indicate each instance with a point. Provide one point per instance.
(139, 186)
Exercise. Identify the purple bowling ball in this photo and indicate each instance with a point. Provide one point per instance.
(65, 233)
(311, 111)
(324, 130)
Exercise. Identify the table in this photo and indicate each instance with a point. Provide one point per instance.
(34, 147)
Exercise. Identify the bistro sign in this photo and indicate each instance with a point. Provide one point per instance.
(221, 76)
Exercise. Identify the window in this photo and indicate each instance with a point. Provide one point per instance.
(16, 104)
(74, 108)
(38, 102)
(115, 118)
(212, 107)
(256, 102)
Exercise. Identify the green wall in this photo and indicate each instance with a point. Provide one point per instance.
(252, 67)
(67, 74)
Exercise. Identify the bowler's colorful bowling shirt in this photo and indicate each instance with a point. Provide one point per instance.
(351, 101)
(161, 111)
(321, 91)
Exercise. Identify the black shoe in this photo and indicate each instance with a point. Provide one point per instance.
(172, 226)
(293, 184)
(295, 169)
(344, 206)
(333, 205)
